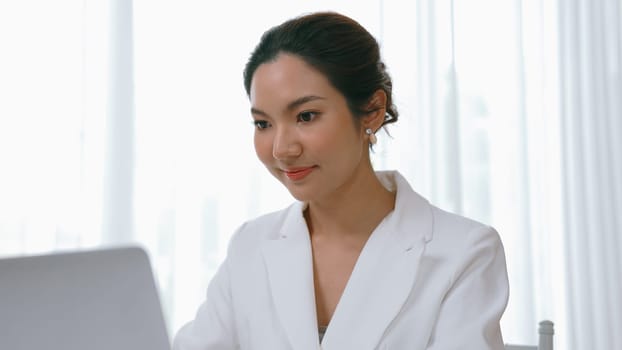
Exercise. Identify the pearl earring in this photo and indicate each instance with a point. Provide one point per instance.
(372, 136)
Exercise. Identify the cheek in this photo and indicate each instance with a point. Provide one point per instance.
(337, 141)
(263, 147)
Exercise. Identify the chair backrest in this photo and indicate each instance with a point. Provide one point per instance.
(545, 342)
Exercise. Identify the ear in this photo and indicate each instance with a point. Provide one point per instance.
(378, 107)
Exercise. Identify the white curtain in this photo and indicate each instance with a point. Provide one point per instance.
(127, 122)
(53, 98)
(591, 120)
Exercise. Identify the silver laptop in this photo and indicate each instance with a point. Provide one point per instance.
(89, 300)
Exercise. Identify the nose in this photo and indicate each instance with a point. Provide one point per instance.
(286, 144)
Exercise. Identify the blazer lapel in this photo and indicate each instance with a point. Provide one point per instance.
(289, 264)
(383, 276)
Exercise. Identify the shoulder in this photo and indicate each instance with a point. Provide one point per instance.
(444, 232)
(449, 237)
(459, 233)
(469, 248)
(459, 227)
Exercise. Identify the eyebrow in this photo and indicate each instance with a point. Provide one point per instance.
(292, 105)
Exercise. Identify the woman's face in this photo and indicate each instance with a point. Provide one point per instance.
(305, 134)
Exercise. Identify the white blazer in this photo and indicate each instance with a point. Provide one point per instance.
(425, 279)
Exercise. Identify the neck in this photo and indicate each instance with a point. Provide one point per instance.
(353, 211)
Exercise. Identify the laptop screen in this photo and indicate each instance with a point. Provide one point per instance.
(96, 300)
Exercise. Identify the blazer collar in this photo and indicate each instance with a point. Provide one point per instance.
(289, 263)
(379, 285)
(412, 219)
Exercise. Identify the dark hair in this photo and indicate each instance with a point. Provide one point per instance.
(337, 46)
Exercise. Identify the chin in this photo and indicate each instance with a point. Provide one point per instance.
(303, 191)
(301, 194)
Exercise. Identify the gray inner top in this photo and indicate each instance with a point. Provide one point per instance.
(321, 331)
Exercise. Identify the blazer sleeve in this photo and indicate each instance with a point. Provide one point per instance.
(471, 310)
(213, 327)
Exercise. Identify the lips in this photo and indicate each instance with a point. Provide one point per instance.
(298, 173)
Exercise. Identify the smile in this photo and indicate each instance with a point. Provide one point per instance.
(298, 174)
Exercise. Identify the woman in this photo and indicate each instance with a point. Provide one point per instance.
(360, 261)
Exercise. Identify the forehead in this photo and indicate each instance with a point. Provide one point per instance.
(287, 78)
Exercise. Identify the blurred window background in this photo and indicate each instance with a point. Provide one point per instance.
(127, 122)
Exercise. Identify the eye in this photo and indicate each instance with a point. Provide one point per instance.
(307, 116)
(261, 124)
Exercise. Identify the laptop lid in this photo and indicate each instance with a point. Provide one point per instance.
(97, 300)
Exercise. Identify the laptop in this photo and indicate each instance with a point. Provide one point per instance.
(99, 299)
